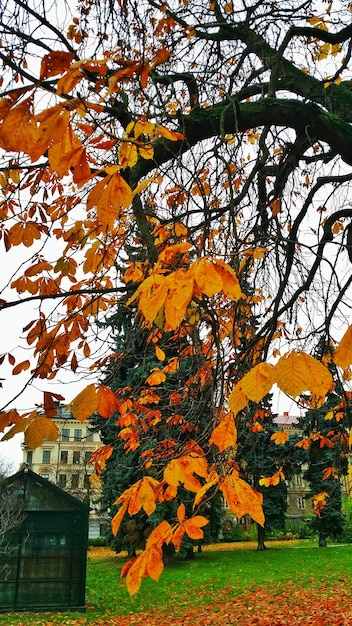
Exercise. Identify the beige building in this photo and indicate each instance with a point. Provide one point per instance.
(66, 464)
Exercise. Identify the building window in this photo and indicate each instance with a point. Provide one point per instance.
(29, 457)
(77, 434)
(65, 434)
(103, 529)
(87, 456)
(63, 456)
(75, 480)
(301, 503)
(46, 456)
(76, 456)
(86, 481)
(89, 435)
(62, 480)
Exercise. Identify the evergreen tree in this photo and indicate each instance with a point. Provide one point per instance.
(170, 415)
(327, 442)
(268, 458)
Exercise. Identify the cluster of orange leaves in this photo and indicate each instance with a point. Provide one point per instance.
(164, 298)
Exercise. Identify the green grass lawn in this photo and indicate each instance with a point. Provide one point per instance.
(206, 578)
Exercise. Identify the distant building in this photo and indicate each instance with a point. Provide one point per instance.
(66, 464)
(298, 487)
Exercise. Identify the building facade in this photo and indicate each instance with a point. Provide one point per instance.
(66, 464)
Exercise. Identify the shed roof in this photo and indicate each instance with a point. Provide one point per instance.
(39, 494)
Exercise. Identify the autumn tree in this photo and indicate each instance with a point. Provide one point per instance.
(221, 132)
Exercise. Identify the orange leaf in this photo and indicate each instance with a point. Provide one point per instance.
(108, 404)
(343, 353)
(280, 437)
(21, 367)
(193, 526)
(242, 498)
(225, 434)
(66, 152)
(118, 517)
(230, 283)
(208, 280)
(212, 480)
(84, 404)
(54, 63)
(182, 470)
(142, 496)
(99, 456)
(178, 297)
(181, 513)
(152, 294)
(40, 428)
(156, 378)
(18, 131)
(109, 196)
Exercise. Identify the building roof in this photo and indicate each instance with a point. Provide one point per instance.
(39, 493)
(286, 420)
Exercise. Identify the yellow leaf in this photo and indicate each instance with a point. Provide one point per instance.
(128, 155)
(40, 428)
(152, 294)
(160, 354)
(225, 434)
(84, 404)
(297, 372)
(172, 135)
(257, 383)
(237, 399)
(146, 152)
(343, 353)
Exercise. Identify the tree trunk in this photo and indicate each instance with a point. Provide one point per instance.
(261, 538)
(322, 540)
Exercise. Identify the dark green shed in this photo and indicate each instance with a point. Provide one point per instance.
(46, 570)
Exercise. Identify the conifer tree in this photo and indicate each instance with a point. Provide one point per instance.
(327, 444)
(268, 458)
(180, 407)
(325, 430)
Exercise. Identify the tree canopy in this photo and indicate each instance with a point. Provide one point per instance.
(216, 138)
